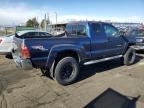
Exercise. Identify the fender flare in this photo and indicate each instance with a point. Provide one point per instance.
(64, 47)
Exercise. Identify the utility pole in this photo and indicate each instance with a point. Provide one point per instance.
(38, 22)
(48, 22)
(56, 22)
(56, 16)
(45, 18)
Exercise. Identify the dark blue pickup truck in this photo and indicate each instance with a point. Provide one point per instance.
(83, 43)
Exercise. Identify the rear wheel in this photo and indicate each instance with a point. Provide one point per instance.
(129, 57)
(66, 71)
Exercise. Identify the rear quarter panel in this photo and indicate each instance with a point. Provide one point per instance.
(43, 51)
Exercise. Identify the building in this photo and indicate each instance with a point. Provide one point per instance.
(57, 29)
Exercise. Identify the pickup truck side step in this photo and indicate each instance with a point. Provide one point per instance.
(102, 60)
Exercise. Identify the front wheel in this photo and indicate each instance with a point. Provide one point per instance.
(66, 71)
(129, 57)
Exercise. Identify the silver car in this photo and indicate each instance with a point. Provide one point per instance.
(6, 44)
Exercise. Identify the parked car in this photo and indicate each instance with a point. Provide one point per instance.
(6, 44)
(32, 34)
(139, 35)
(84, 43)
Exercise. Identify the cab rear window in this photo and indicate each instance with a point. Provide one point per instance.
(76, 30)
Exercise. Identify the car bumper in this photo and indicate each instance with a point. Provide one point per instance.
(24, 64)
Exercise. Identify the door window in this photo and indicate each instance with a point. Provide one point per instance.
(81, 30)
(32, 34)
(110, 31)
(44, 34)
(76, 30)
(96, 29)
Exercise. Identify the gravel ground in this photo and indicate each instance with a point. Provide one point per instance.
(28, 89)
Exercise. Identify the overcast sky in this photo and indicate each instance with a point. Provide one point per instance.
(18, 11)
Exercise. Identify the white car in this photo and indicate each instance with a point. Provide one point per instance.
(6, 44)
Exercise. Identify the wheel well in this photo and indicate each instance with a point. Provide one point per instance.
(67, 53)
(63, 54)
(129, 45)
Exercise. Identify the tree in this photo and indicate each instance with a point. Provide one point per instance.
(32, 23)
(29, 23)
(35, 22)
(42, 24)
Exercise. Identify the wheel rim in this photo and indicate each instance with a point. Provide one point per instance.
(67, 71)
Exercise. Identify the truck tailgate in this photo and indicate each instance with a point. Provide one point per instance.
(37, 48)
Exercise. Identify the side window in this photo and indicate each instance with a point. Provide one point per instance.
(96, 28)
(69, 30)
(76, 30)
(110, 31)
(81, 30)
(32, 34)
(44, 34)
(41, 34)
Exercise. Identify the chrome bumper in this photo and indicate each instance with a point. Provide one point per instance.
(24, 64)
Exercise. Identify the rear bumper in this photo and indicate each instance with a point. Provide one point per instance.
(24, 64)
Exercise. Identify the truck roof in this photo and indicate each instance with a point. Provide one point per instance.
(85, 22)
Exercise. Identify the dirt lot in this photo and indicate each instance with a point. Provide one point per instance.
(28, 89)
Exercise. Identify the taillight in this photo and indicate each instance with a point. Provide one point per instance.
(0, 40)
(24, 51)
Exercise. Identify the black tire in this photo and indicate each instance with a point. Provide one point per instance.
(67, 71)
(129, 57)
(9, 56)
